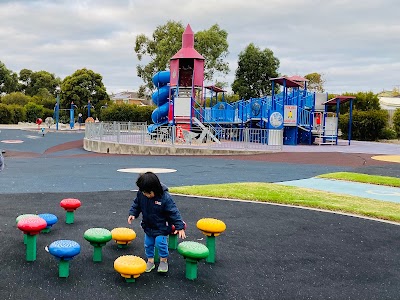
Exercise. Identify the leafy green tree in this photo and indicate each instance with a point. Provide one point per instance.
(396, 122)
(315, 83)
(45, 98)
(16, 98)
(255, 67)
(364, 101)
(166, 40)
(8, 80)
(213, 45)
(32, 82)
(81, 86)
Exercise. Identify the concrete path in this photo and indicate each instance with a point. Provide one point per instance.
(363, 190)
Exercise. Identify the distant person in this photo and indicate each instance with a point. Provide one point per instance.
(80, 120)
(159, 213)
(97, 120)
(1, 161)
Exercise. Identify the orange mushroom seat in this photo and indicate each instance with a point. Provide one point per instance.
(211, 226)
(123, 236)
(130, 267)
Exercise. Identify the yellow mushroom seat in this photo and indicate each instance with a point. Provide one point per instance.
(123, 236)
(130, 267)
(211, 226)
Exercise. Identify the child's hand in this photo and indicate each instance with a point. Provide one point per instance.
(130, 219)
(181, 233)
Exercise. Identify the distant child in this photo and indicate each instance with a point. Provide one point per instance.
(159, 213)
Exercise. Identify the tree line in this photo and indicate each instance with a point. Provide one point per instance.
(252, 77)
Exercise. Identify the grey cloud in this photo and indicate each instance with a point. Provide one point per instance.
(354, 44)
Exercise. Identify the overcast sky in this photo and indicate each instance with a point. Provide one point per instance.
(355, 45)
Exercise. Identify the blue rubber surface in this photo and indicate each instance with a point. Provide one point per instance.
(377, 192)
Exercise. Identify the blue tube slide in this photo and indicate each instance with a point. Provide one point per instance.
(160, 98)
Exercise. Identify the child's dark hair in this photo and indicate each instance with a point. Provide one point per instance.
(149, 182)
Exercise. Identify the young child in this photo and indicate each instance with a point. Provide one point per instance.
(159, 213)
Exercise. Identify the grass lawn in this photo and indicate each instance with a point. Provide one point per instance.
(364, 178)
(274, 193)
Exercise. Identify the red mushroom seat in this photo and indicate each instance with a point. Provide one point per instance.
(32, 225)
(70, 204)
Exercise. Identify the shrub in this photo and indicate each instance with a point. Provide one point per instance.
(387, 134)
(396, 121)
(16, 98)
(5, 114)
(126, 113)
(366, 125)
(18, 113)
(33, 111)
(144, 113)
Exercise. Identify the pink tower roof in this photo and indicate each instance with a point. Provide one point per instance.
(187, 50)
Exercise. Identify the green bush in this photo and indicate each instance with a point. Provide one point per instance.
(5, 114)
(387, 134)
(47, 113)
(366, 125)
(144, 114)
(396, 121)
(126, 113)
(16, 98)
(33, 111)
(18, 113)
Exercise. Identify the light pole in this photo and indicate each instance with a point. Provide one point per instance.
(57, 107)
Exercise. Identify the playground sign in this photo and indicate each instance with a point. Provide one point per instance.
(290, 115)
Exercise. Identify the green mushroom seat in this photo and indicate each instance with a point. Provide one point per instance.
(97, 237)
(192, 252)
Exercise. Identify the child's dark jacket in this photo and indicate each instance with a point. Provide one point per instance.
(159, 213)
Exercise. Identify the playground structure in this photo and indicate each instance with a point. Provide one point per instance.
(291, 117)
(57, 109)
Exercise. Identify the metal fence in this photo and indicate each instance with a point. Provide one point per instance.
(175, 136)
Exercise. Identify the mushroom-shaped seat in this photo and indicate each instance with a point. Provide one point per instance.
(123, 236)
(31, 226)
(192, 252)
(20, 217)
(64, 251)
(70, 205)
(97, 237)
(211, 228)
(130, 267)
(50, 220)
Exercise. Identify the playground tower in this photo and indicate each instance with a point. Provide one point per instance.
(186, 81)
